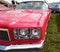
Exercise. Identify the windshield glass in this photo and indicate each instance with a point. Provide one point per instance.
(32, 5)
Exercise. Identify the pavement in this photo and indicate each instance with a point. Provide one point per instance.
(29, 50)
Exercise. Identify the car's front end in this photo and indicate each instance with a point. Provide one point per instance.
(14, 37)
(24, 28)
(20, 34)
(21, 42)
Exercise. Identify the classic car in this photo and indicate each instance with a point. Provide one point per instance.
(55, 7)
(25, 26)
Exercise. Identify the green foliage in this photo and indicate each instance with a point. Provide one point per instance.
(52, 42)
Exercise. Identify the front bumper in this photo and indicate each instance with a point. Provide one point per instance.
(24, 46)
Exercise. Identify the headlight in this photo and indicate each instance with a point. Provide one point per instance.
(35, 33)
(23, 32)
(27, 33)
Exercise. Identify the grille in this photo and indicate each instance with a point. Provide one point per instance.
(4, 34)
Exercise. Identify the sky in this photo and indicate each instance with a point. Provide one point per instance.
(48, 1)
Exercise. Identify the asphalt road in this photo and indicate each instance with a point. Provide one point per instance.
(21, 51)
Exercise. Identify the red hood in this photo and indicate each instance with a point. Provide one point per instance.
(20, 16)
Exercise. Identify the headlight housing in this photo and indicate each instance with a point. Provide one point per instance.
(27, 33)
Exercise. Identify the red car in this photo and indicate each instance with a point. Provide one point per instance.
(25, 26)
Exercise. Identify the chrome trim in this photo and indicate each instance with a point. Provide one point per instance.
(7, 32)
(23, 46)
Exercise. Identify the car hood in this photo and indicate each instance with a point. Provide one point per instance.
(17, 17)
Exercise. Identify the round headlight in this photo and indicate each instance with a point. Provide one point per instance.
(35, 32)
(15, 31)
(27, 33)
(23, 32)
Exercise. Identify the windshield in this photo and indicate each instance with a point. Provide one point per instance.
(32, 5)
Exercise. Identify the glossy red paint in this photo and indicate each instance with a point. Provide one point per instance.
(11, 19)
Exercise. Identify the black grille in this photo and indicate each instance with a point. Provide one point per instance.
(4, 35)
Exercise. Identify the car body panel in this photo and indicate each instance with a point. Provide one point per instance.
(21, 20)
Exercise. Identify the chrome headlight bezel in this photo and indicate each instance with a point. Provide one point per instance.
(19, 33)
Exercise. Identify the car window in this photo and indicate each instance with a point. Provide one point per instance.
(44, 6)
(32, 5)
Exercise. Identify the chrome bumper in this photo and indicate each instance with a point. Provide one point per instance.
(24, 46)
